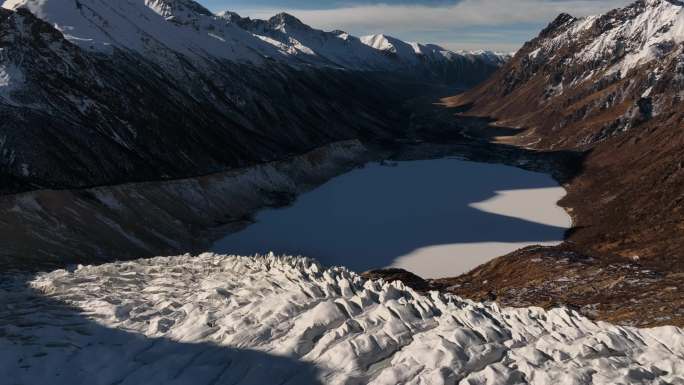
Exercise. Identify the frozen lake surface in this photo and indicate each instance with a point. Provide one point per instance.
(436, 218)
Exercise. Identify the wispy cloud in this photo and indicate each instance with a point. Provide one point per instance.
(421, 21)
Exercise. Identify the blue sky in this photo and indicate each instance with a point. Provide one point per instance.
(501, 25)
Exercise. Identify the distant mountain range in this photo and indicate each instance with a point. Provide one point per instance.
(373, 52)
(101, 92)
(156, 28)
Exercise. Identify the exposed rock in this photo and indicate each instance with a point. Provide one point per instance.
(406, 277)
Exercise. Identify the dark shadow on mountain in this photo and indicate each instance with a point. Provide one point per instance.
(48, 229)
(45, 341)
(368, 218)
(573, 230)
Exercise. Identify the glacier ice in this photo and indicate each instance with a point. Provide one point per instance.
(266, 319)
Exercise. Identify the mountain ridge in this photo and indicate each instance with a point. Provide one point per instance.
(609, 87)
(216, 93)
(634, 77)
(189, 28)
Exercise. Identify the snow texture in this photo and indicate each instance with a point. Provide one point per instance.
(216, 319)
(10, 76)
(147, 27)
(412, 53)
(642, 37)
(629, 38)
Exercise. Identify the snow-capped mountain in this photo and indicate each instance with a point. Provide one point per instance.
(259, 320)
(410, 52)
(153, 27)
(104, 89)
(157, 29)
(298, 40)
(376, 52)
(620, 68)
(435, 61)
(625, 39)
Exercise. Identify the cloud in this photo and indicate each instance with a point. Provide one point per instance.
(423, 21)
(463, 13)
(323, 4)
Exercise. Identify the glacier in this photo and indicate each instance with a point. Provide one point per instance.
(217, 319)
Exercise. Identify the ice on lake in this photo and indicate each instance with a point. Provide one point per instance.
(436, 218)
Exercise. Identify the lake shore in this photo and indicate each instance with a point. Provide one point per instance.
(435, 218)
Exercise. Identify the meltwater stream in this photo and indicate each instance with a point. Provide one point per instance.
(436, 218)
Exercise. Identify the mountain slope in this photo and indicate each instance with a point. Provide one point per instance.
(73, 118)
(155, 29)
(611, 86)
(97, 92)
(223, 319)
(584, 80)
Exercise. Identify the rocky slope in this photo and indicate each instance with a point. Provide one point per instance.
(583, 81)
(224, 319)
(612, 86)
(613, 290)
(609, 87)
(96, 92)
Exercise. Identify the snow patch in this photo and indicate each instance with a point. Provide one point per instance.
(11, 78)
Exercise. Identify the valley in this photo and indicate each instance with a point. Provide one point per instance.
(621, 107)
(194, 196)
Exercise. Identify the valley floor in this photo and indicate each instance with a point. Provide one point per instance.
(129, 221)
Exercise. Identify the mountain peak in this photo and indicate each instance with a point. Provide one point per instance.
(284, 19)
(177, 8)
(559, 22)
(229, 15)
(660, 2)
(382, 42)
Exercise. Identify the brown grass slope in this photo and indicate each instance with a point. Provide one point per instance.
(627, 200)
